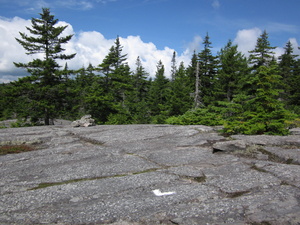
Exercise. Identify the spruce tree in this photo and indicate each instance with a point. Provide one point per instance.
(294, 98)
(140, 83)
(45, 73)
(180, 99)
(137, 98)
(117, 75)
(259, 109)
(158, 95)
(117, 82)
(191, 72)
(208, 66)
(288, 71)
(262, 112)
(233, 69)
(173, 67)
(262, 54)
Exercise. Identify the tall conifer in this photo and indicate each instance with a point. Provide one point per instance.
(208, 65)
(45, 72)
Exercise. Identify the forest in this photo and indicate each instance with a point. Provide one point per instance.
(258, 94)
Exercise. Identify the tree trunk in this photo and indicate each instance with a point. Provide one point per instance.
(197, 97)
(47, 117)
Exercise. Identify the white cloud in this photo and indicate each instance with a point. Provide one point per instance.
(216, 4)
(246, 39)
(280, 50)
(91, 47)
(295, 46)
(193, 46)
(10, 50)
(281, 27)
(76, 4)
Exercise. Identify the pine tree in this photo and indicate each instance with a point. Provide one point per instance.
(137, 98)
(258, 109)
(140, 83)
(180, 99)
(294, 90)
(45, 73)
(173, 67)
(158, 94)
(233, 69)
(208, 65)
(262, 53)
(288, 71)
(117, 75)
(191, 72)
(262, 112)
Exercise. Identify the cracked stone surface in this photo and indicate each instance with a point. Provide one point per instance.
(107, 174)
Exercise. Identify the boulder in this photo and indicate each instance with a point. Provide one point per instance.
(230, 146)
(85, 121)
(295, 131)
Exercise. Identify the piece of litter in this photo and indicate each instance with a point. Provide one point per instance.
(157, 192)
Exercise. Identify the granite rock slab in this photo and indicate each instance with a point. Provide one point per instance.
(108, 174)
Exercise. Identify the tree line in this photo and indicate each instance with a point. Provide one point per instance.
(258, 94)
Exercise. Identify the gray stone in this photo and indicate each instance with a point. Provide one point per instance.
(295, 131)
(85, 121)
(269, 140)
(230, 146)
(107, 174)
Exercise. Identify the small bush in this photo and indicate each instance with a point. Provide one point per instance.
(201, 116)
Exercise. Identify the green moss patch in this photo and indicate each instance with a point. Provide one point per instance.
(13, 149)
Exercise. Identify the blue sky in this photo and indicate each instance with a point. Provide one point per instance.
(152, 29)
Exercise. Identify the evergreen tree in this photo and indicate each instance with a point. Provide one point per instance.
(294, 90)
(287, 65)
(158, 95)
(208, 66)
(191, 72)
(233, 68)
(180, 99)
(117, 82)
(137, 98)
(140, 83)
(45, 73)
(173, 67)
(262, 112)
(262, 53)
(82, 87)
(117, 75)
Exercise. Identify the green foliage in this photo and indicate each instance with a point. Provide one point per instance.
(118, 118)
(40, 91)
(159, 92)
(262, 112)
(262, 55)
(245, 95)
(233, 68)
(200, 116)
(293, 122)
(22, 123)
(208, 65)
